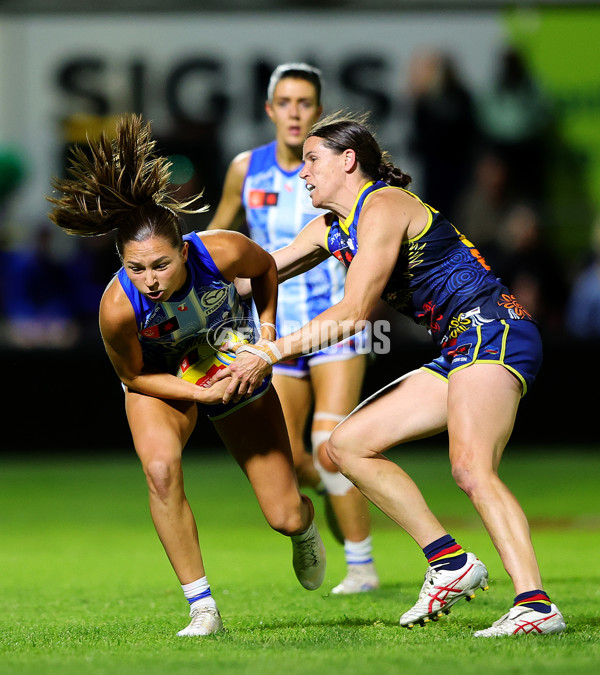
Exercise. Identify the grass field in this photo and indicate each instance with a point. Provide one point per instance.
(86, 587)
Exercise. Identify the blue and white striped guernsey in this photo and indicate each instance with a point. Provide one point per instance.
(277, 207)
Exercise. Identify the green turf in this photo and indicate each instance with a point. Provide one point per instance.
(86, 587)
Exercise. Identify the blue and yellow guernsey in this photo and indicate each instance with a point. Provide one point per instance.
(440, 279)
(277, 207)
(207, 305)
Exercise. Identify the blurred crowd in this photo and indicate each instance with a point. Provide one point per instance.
(483, 162)
(485, 159)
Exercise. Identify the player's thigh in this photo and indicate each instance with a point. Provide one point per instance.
(256, 437)
(410, 408)
(159, 428)
(337, 385)
(482, 406)
(295, 397)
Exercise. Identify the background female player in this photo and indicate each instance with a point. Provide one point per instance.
(263, 187)
(169, 294)
(398, 248)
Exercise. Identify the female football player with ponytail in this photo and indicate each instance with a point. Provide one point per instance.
(401, 250)
(170, 298)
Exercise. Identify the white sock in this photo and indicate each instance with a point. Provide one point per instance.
(358, 552)
(198, 594)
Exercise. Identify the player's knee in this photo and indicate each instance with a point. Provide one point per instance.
(462, 477)
(321, 455)
(338, 451)
(321, 458)
(292, 517)
(287, 521)
(163, 477)
(335, 483)
(330, 456)
(469, 478)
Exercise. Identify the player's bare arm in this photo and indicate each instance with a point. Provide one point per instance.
(306, 251)
(381, 232)
(119, 334)
(229, 214)
(380, 235)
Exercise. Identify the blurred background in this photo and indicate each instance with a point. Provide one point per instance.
(493, 109)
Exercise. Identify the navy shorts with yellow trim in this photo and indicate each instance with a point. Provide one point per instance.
(513, 343)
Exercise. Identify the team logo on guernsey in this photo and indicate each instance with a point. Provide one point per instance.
(212, 300)
(182, 308)
(161, 329)
(258, 199)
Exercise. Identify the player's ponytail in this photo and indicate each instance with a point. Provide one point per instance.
(119, 184)
(341, 131)
(391, 174)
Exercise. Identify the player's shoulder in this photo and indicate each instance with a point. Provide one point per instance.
(240, 163)
(115, 306)
(217, 241)
(262, 154)
(388, 193)
(390, 198)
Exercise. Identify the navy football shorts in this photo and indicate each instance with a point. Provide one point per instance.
(513, 343)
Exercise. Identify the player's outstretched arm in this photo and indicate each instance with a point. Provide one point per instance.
(229, 214)
(302, 254)
(380, 236)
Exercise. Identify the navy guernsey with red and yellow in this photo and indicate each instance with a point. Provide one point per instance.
(440, 279)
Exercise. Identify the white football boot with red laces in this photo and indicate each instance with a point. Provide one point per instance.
(523, 620)
(442, 588)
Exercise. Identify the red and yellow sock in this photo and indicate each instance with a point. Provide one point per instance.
(536, 599)
(445, 552)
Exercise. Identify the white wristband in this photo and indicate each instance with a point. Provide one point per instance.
(265, 349)
(273, 348)
(257, 352)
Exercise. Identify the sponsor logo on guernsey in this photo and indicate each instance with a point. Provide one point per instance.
(258, 199)
(212, 300)
(161, 329)
(182, 308)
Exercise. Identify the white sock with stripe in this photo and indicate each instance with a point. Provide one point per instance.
(358, 552)
(198, 594)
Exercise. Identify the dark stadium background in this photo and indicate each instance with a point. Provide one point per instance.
(65, 400)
